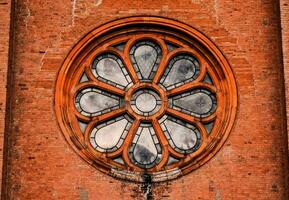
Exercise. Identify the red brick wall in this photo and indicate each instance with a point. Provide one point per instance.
(5, 7)
(251, 165)
(284, 15)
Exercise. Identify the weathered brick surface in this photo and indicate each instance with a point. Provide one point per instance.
(284, 17)
(251, 165)
(5, 7)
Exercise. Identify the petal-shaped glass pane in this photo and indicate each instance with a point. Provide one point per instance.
(199, 103)
(92, 102)
(145, 57)
(182, 136)
(145, 150)
(110, 69)
(181, 69)
(109, 136)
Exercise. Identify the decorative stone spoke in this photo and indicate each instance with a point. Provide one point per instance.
(131, 70)
(191, 86)
(182, 116)
(127, 143)
(163, 142)
(128, 62)
(109, 115)
(163, 63)
(176, 154)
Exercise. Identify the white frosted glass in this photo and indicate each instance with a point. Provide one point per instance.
(109, 69)
(199, 103)
(108, 136)
(92, 102)
(183, 137)
(145, 151)
(145, 57)
(181, 70)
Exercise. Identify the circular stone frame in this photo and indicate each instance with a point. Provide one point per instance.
(69, 74)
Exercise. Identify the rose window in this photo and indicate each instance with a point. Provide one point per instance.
(139, 97)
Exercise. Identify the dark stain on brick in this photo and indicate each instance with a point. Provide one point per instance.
(23, 86)
(211, 186)
(265, 22)
(31, 157)
(240, 158)
(16, 188)
(274, 188)
(146, 186)
(162, 190)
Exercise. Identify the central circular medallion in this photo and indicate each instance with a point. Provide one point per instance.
(145, 102)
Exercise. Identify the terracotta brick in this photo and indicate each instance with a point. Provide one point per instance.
(253, 163)
(5, 8)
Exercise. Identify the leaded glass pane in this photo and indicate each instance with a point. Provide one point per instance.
(120, 46)
(119, 160)
(209, 126)
(82, 126)
(109, 68)
(181, 69)
(92, 102)
(182, 136)
(171, 46)
(208, 79)
(83, 78)
(145, 57)
(146, 102)
(172, 160)
(145, 150)
(199, 103)
(109, 136)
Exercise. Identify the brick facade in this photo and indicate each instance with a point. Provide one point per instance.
(5, 43)
(39, 163)
(284, 17)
